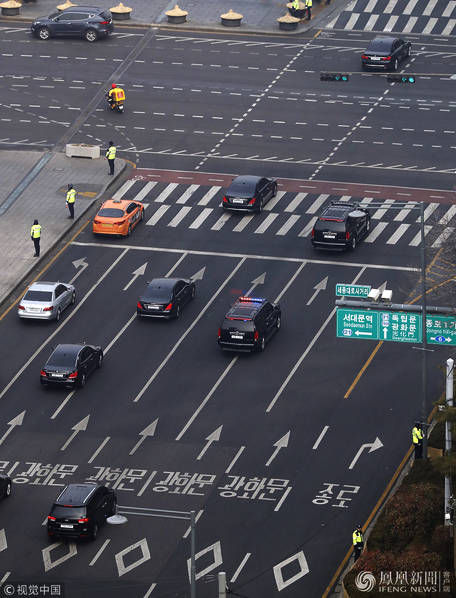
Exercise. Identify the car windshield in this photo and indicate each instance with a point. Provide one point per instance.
(379, 45)
(110, 213)
(54, 14)
(62, 359)
(44, 296)
(158, 293)
(61, 512)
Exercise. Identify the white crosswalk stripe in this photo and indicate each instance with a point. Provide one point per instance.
(402, 214)
(121, 192)
(180, 216)
(308, 228)
(208, 196)
(221, 221)
(288, 224)
(445, 219)
(266, 223)
(397, 234)
(187, 194)
(376, 232)
(158, 214)
(380, 213)
(145, 191)
(296, 202)
(317, 204)
(243, 223)
(274, 201)
(166, 192)
(449, 9)
(428, 211)
(417, 238)
(447, 232)
(201, 218)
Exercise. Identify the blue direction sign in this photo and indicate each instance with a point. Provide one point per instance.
(352, 290)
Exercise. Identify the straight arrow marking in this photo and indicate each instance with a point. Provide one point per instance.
(281, 443)
(80, 426)
(82, 265)
(214, 437)
(16, 421)
(255, 282)
(149, 431)
(321, 286)
(138, 272)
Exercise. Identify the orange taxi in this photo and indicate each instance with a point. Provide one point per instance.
(118, 217)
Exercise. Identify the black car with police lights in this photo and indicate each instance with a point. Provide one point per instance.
(385, 53)
(165, 297)
(248, 193)
(80, 510)
(71, 365)
(341, 225)
(249, 325)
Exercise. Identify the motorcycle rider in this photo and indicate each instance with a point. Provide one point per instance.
(116, 95)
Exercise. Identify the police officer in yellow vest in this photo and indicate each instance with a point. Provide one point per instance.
(295, 4)
(70, 199)
(417, 439)
(35, 235)
(111, 156)
(309, 9)
(358, 542)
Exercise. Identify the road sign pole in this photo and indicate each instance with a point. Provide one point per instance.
(424, 335)
(192, 555)
(448, 439)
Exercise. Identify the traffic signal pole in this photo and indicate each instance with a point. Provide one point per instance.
(424, 339)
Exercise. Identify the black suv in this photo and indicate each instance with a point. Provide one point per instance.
(341, 225)
(80, 510)
(5, 486)
(89, 22)
(249, 324)
(70, 365)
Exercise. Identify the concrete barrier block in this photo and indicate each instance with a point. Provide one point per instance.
(82, 150)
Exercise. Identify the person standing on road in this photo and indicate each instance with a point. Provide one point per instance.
(295, 4)
(309, 9)
(417, 439)
(35, 235)
(111, 156)
(358, 542)
(70, 199)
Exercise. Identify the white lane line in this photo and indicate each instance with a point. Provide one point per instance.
(273, 202)
(98, 554)
(417, 238)
(62, 404)
(447, 232)
(189, 529)
(308, 228)
(201, 218)
(288, 224)
(295, 203)
(234, 459)
(397, 234)
(282, 500)
(221, 221)
(148, 481)
(166, 192)
(428, 211)
(65, 321)
(100, 448)
(187, 332)
(5, 577)
(304, 355)
(317, 204)
(376, 232)
(152, 587)
(208, 196)
(158, 214)
(241, 566)
(187, 194)
(179, 216)
(243, 222)
(145, 190)
(266, 223)
(320, 438)
(121, 192)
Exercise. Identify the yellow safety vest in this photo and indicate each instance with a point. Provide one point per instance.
(111, 153)
(71, 195)
(309, 3)
(35, 231)
(417, 435)
(357, 538)
(295, 4)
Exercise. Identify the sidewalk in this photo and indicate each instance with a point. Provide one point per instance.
(44, 198)
(260, 16)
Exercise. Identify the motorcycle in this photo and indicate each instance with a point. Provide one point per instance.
(115, 105)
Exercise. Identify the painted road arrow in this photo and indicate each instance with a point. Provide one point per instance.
(255, 282)
(80, 265)
(281, 443)
(16, 421)
(214, 437)
(373, 446)
(138, 272)
(79, 427)
(321, 286)
(198, 275)
(149, 431)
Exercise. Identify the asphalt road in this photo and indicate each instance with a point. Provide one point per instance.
(262, 511)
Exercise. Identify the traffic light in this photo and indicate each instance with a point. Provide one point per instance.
(325, 76)
(397, 78)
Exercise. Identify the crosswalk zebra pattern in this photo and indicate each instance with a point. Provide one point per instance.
(195, 207)
(436, 17)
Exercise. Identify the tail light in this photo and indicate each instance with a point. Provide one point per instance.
(312, 234)
(104, 23)
(84, 520)
(347, 236)
(386, 58)
(51, 518)
(252, 201)
(225, 199)
(97, 221)
(365, 57)
(42, 373)
(48, 308)
(73, 375)
(139, 306)
(21, 307)
(169, 307)
(256, 336)
(219, 333)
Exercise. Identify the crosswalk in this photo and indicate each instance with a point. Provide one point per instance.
(436, 17)
(196, 207)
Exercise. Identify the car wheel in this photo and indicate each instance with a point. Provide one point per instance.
(278, 323)
(73, 297)
(113, 509)
(57, 315)
(368, 226)
(178, 312)
(353, 243)
(100, 361)
(260, 207)
(94, 533)
(409, 52)
(262, 345)
(128, 231)
(8, 490)
(395, 64)
(142, 215)
(91, 35)
(274, 193)
(44, 33)
(82, 380)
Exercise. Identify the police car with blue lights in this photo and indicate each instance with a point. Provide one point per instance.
(249, 324)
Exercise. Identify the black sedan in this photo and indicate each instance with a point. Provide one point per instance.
(385, 53)
(249, 193)
(5, 486)
(71, 365)
(165, 297)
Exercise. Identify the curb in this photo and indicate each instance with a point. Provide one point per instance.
(59, 237)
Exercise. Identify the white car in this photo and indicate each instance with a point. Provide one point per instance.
(46, 300)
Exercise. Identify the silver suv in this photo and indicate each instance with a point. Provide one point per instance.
(46, 300)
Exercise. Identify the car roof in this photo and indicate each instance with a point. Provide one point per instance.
(83, 7)
(43, 285)
(339, 210)
(120, 204)
(162, 283)
(245, 308)
(70, 349)
(76, 494)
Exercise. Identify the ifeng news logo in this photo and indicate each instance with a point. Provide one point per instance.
(414, 582)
